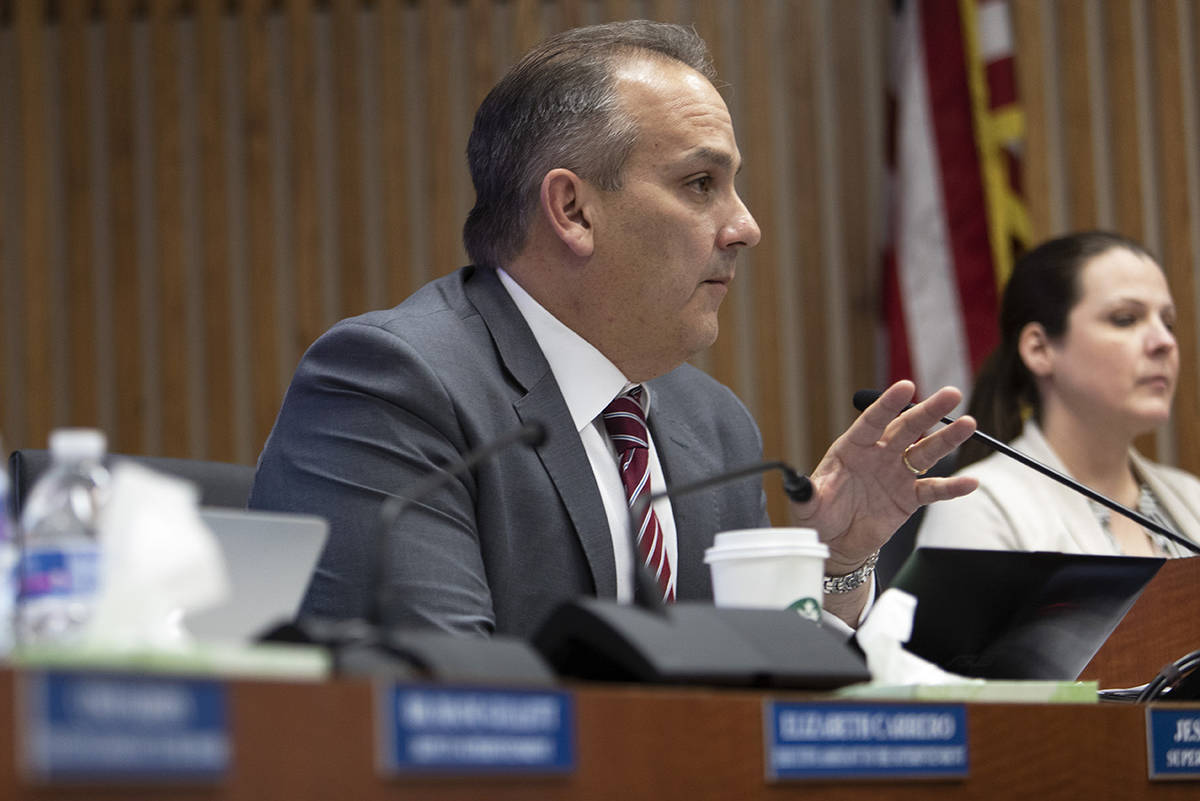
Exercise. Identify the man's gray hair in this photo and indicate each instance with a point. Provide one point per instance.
(559, 108)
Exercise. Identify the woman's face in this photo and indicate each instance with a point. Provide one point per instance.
(1117, 362)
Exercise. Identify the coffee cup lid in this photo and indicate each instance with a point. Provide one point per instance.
(772, 537)
(715, 554)
(765, 543)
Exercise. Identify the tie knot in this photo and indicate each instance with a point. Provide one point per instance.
(626, 422)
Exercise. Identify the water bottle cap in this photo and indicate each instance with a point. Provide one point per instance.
(77, 443)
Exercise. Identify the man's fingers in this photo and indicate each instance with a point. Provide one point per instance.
(925, 453)
(932, 490)
(902, 430)
(875, 419)
(912, 424)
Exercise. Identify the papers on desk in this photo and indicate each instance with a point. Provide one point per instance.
(989, 691)
(218, 660)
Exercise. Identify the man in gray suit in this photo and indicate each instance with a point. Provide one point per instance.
(604, 238)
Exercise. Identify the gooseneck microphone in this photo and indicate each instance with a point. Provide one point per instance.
(531, 434)
(797, 486)
(865, 397)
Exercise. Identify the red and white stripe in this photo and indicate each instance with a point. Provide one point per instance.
(940, 285)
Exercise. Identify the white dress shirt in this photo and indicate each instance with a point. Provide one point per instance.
(589, 382)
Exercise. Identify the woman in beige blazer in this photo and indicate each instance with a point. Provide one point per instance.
(1087, 362)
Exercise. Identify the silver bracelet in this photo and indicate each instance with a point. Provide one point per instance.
(837, 585)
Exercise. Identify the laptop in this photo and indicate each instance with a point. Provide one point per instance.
(269, 558)
(1018, 615)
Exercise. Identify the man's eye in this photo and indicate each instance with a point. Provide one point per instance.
(702, 184)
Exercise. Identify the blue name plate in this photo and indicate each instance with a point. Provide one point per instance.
(865, 741)
(99, 727)
(1173, 743)
(476, 731)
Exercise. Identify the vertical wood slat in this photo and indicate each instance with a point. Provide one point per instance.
(854, 148)
(216, 267)
(707, 19)
(266, 381)
(397, 226)
(572, 13)
(483, 56)
(618, 9)
(1076, 64)
(127, 334)
(35, 262)
(668, 11)
(1031, 68)
(811, 285)
(1177, 249)
(442, 164)
(528, 25)
(80, 271)
(1121, 82)
(177, 408)
(302, 158)
(351, 265)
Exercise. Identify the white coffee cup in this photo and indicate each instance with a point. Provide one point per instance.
(770, 568)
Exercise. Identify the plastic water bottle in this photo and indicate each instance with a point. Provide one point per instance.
(60, 563)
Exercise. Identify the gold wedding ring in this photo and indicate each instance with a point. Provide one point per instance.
(908, 464)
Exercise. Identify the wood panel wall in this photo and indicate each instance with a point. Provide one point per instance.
(190, 192)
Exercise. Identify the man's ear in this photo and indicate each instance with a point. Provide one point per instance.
(1034, 347)
(564, 201)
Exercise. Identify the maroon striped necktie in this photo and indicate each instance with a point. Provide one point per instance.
(626, 424)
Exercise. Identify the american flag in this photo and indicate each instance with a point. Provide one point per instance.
(956, 214)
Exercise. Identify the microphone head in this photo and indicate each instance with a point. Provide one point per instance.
(864, 398)
(798, 488)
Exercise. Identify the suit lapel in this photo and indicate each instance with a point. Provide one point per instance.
(561, 452)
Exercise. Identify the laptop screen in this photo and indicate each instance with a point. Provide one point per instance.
(1018, 615)
(269, 558)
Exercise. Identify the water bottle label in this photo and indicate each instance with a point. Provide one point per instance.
(49, 572)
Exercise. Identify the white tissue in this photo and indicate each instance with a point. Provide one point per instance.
(159, 560)
(882, 636)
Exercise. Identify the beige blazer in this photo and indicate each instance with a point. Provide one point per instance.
(1019, 509)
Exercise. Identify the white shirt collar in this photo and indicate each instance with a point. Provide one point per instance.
(585, 376)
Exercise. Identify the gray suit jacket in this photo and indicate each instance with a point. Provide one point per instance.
(382, 400)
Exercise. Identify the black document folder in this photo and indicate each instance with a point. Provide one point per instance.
(1018, 615)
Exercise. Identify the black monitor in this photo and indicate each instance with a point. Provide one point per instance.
(1018, 615)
